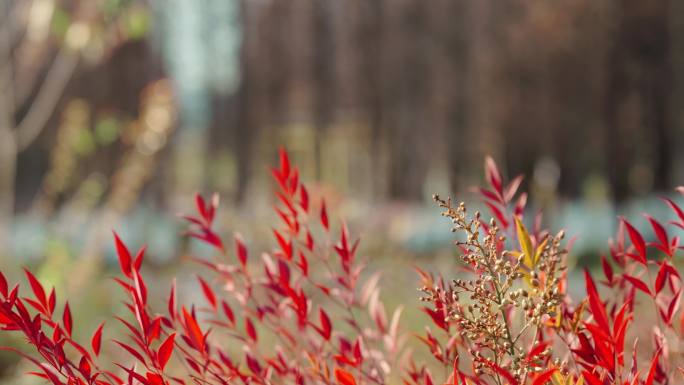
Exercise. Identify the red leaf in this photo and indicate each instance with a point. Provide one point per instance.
(536, 350)
(639, 284)
(208, 292)
(201, 206)
(597, 308)
(154, 379)
(503, 372)
(252, 363)
(498, 214)
(493, 175)
(661, 277)
(96, 340)
(637, 241)
(37, 288)
(591, 378)
(675, 208)
(130, 350)
(660, 232)
(309, 241)
(172, 300)
(124, 256)
(324, 216)
(652, 370)
(285, 245)
(251, 331)
(3, 285)
(344, 378)
(487, 194)
(607, 270)
(84, 367)
(67, 320)
(326, 326)
(193, 330)
(165, 350)
(138, 260)
(241, 250)
(228, 312)
(544, 377)
(284, 163)
(437, 317)
(52, 301)
(512, 188)
(303, 264)
(671, 307)
(304, 199)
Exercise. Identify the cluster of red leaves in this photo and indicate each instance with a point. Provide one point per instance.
(300, 314)
(594, 335)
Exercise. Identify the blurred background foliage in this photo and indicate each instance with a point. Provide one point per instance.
(114, 112)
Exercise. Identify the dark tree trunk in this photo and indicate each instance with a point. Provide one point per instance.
(323, 75)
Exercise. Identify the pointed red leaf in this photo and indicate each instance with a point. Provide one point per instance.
(326, 326)
(639, 284)
(251, 331)
(208, 292)
(597, 308)
(67, 320)
(228, 312)
(284, 163)
(304, 198)
(544, 377)
(675, 208)
(324, 216)
(37, 289)
(502, 372)
(193, 330)
(607, 270)
(344, 378)
(493, 175)
(165, 350)
(241, 250)
(172, 301)
(96, 340)
(124, 256)
(660, 233)
(637, 241)
(652, 370)
(3, 285)
(661, 277)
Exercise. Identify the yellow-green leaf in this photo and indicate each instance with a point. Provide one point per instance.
(539, 251)
(525, 244)
(558, 378)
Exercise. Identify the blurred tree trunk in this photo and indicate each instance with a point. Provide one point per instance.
(617, 152)
(369, 39)
(658, 94)
(323, 75)
(458, 118)
(409, 152)
(638, 96)
(8, 166)
(246, 123)
(8, 147)
(279, 31)
(677, 103)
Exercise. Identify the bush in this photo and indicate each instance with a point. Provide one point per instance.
(303, 313)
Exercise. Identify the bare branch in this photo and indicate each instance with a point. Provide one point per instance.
(49, 94)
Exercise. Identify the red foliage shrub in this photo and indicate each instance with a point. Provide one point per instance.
(303, 314)
(515, 323)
